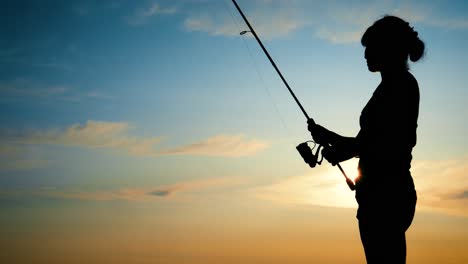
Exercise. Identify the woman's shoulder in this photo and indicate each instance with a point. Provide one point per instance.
(405, 83)
(411, 84)
(406, 91)
(410, 79)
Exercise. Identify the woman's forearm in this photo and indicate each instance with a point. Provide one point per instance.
(344, 148)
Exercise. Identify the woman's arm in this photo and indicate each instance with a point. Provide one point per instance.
(343, 149)
(337, 148)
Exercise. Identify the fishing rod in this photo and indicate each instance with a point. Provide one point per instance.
(303, 148)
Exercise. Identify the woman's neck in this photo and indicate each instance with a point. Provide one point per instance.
(392, 73)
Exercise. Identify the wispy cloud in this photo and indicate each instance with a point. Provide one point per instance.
(346, 24)
(131, 194)
(188, 186)
(335, 22)
(143, 15)
(271, 19)
(323, 186)
(93, 134)
(281, 26)
(442, 186)
(26, 88)
(116, 136)
(222, 145)
(23, 88)
(461, 195)
(276, 19)
(339, 37)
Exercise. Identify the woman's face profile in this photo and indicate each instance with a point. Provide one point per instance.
(381, 57)
(372, 57)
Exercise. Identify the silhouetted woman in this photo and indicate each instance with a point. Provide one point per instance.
(385, 190)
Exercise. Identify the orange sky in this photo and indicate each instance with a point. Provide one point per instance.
(214, 229)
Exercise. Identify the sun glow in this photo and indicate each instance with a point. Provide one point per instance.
(322, 186)
(335, 192)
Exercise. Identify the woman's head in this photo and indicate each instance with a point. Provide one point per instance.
(389, 42)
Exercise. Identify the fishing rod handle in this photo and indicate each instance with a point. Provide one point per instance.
(349, 182)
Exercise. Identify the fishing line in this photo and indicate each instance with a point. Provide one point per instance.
(303, 149)
(255, 65)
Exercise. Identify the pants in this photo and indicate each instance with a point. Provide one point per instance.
(383, 244)
(384, 216)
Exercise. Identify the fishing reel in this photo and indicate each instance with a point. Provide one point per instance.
(308, 155)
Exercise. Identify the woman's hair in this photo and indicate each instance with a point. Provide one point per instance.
(396, 37)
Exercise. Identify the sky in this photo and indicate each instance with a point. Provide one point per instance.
(153, 132)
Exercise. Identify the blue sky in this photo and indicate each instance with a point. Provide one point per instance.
(163, 102)
(118, 80)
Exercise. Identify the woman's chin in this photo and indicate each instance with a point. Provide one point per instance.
(372, 68)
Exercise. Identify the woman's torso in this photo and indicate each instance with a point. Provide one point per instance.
(388, 131)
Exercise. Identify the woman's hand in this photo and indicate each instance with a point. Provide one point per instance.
(320, 134)
(336, 148)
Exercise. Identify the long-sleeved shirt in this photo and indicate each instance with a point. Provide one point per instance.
(388, 128)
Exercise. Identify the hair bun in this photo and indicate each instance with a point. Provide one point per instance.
(416, 49)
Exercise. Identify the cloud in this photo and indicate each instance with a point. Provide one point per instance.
(130, 194)
(161, 193)
(201, 24)
(322, 186)
(210, 183)
(26, 88)
(280, 23)
(442, 186)
(346, 24)
(276, 19)
(278, 27)
(23, 88)
(462, 195)
(100, 195)
(142, 16)
(115, 136)
(333, 21)
(340, 37)
(222, 145)
(93, 134)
